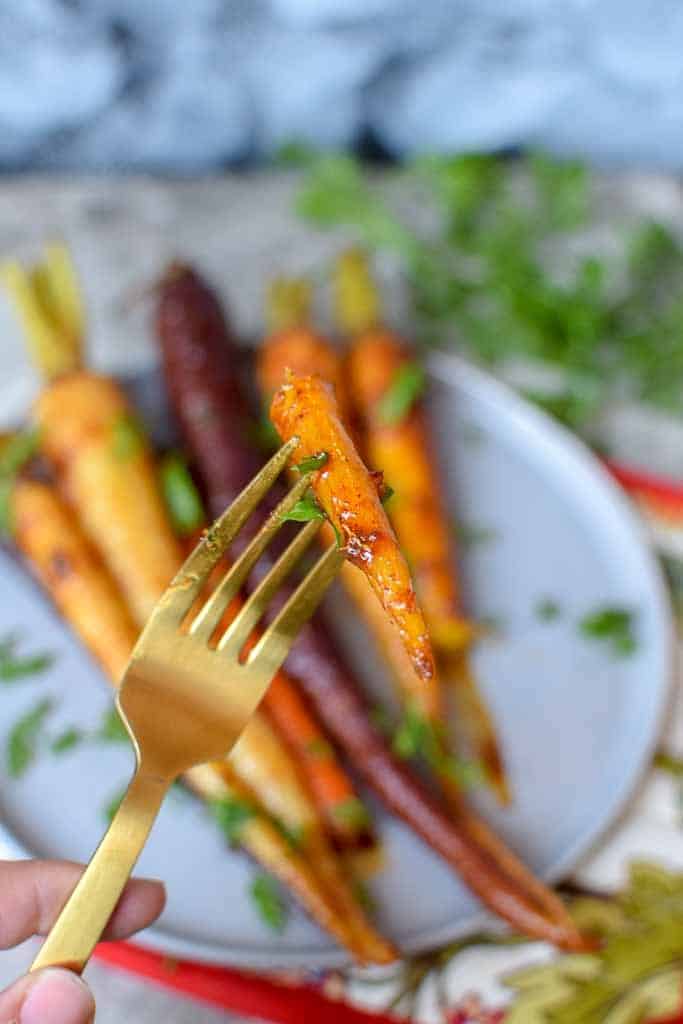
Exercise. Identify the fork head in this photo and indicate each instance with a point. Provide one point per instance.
(185, 698)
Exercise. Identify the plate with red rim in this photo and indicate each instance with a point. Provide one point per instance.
(578, 724)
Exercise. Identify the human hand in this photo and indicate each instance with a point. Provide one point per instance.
(31, 895)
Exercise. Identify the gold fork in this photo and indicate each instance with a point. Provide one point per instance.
(184, 700)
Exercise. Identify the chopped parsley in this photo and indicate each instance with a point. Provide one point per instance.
(614, 626)
(417, 737)
(111, 728)
(470, 534)
(306, 509)
(14, 668)
(387, 493)
(547, 609)
(266, 897)
(18, 450)
(319, 747)
(128, 437)
(352, 813)
(14, 454)
(482, 273)
(26, 737)
(293, 834)
(181, 495)
(406, 388)
(66, 740)
(312, 463)
(231, 814)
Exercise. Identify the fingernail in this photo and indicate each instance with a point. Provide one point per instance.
(57, 996)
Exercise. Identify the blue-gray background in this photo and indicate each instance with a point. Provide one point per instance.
(190, 85)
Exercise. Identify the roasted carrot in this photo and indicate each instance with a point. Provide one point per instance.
(330, 785)
(385, 382)
(294, 345)
(46, 531)
(305, 408)
(63, 560)
(90, 434)
(199, 359)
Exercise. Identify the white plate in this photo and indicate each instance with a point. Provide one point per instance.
(578, 725)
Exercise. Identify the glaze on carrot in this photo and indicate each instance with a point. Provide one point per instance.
(305, 408)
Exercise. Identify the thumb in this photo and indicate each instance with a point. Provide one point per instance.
(54, 995)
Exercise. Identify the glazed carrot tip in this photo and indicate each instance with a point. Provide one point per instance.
(305, 408)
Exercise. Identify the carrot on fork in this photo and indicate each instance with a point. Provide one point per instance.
(386, 385)
(293, 344)
(305, 408)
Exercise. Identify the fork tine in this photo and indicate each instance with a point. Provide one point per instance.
(191, 577)
(240, 628)
(273, 646)
(210, 614)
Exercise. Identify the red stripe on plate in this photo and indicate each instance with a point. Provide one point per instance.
(646, 483)
(252, 995)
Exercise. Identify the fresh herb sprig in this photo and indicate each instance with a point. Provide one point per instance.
(418, 737)
(614, 626)
(15, 667)
(268, 902)
(484, 274)
(26, 737)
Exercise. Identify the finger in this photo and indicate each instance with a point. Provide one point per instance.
(53, 995)
(32, 893)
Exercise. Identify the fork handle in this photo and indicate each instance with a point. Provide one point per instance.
(84, 916)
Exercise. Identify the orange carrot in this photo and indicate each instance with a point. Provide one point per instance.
(385, 382)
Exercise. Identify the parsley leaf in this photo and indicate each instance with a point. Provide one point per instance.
(352, 812)
(14, 454)
(292, 833)
(112, 729)
(13, 668)
(547, 610)
(312, 462)
(387, 493)
(66, 740)
(267, 899)
(128, 437)
(18, 450)
(306, 508)
(482, 272)
(614, 626)
(23, 741)
(405, 389)
(230, 814)
(319, 747)
(418, 737)
(181, 495)
(469, 534)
